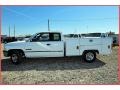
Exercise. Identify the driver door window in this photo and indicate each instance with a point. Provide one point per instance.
(44, 37)
(41, 37)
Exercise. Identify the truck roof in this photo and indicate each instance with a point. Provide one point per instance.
(50, 32)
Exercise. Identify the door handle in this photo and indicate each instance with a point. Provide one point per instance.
(48, 44)
(77, 47)
(28, 49)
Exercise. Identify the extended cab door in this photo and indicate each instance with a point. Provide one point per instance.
(45, 45)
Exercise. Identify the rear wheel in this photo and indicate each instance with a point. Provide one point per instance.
(16, 57)
(89, 56)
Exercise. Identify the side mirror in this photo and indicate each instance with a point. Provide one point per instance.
(28, 40)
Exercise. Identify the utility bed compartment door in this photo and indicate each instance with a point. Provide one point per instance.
(90, 41)
(72, 47)
(106, 46)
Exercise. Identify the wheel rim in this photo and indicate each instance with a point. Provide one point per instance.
(89, 56)
(14, 58)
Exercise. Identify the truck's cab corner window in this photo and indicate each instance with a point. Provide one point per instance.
(55, 37)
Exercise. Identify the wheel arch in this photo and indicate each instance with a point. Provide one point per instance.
(95, 51)
(11, 51)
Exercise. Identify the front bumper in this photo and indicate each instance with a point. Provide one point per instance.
(5, 53)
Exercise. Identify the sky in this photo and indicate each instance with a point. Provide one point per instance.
(66, 19)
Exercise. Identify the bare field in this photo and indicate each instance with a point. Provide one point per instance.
(69, 70)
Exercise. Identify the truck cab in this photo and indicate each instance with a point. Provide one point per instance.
(45, 44)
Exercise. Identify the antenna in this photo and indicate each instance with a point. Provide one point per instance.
(48, 25)
(14, 30)
(9, 30)
(87, 28)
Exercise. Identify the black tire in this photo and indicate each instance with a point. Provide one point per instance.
(89, 56)
(16, 57)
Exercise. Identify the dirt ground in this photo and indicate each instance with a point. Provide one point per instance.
(70, 70)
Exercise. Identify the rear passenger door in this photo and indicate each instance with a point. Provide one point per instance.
(55, 45)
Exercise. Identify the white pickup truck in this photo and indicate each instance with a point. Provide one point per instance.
(53, 44)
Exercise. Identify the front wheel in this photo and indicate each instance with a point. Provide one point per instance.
(89, 56)
(16, 58)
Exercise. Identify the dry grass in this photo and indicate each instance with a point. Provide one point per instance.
(70, 70)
